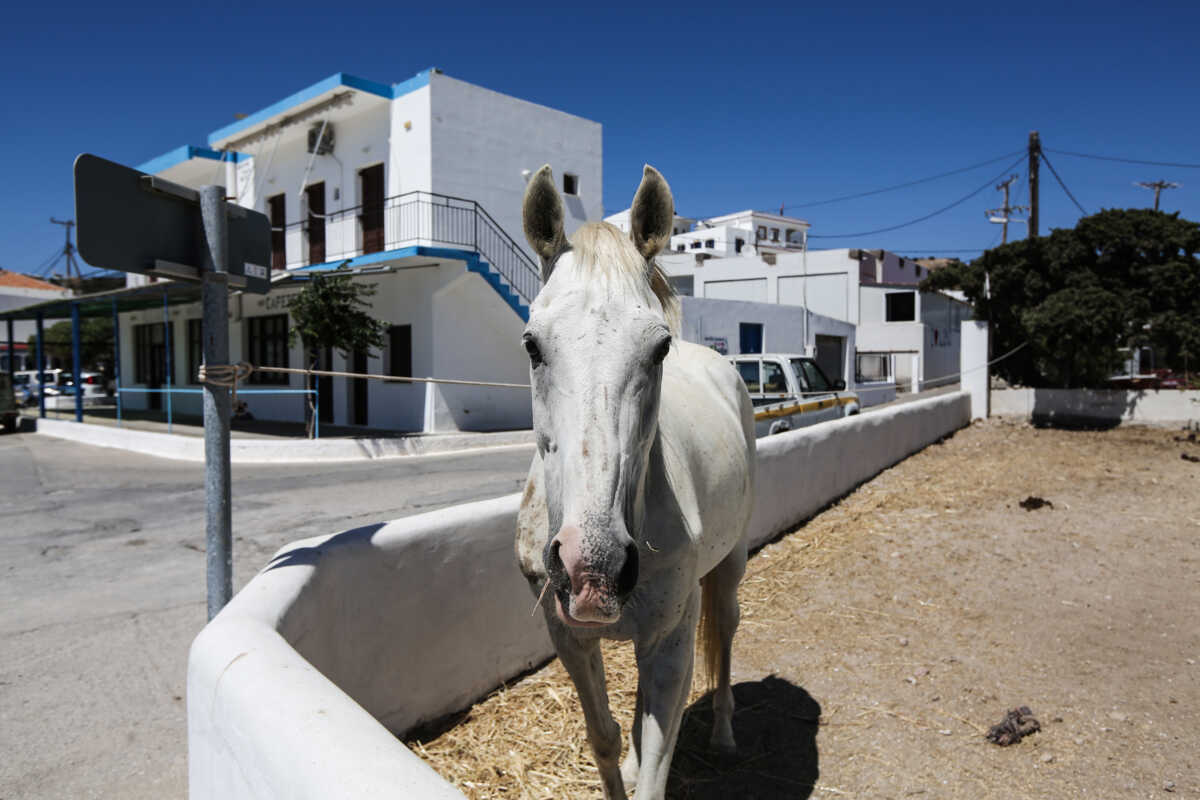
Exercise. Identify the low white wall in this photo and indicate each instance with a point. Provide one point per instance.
(1098, 406)
(404, 622)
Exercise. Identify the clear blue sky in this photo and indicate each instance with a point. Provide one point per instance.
(740, 106)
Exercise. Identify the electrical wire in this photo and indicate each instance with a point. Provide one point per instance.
(1054, 172)
(906, 184)
(930, 215)
(1123, 160)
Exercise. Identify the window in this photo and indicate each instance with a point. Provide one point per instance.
(570, 183)
(710, 243)
(150, 354)
(681, 248)
(774, 234)
(684, 285)
(749, 372)
(789, 236)
(871, 368)
(773, 378)
(811, 376)
(275, 210)
(761, 232)
(696, 245)
(900, 306)
(195, 349)
(267, 346)
(400, 351)
(738, 244)
(750, 337)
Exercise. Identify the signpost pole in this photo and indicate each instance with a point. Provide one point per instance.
(75, 362)
(218, 507)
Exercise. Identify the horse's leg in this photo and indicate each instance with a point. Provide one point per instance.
(664, 678)
(725, 578)
(586, 667)
(629, 767)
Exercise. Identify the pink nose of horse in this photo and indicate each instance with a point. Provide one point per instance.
(601, 572)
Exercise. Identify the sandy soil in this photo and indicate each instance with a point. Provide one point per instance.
(882, 639)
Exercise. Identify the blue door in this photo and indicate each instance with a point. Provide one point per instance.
(750, 337)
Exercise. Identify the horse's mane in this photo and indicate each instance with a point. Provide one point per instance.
(602, 251)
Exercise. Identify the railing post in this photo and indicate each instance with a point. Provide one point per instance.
(75, 361)
(41, 367)
(167, 351)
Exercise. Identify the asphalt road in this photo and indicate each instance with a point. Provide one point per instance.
(102, 554)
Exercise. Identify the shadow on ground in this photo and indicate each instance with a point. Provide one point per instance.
(775, 725)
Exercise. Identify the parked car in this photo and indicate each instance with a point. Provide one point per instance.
(10, 414)
(792, 391)
(94, 388)
(29, 379)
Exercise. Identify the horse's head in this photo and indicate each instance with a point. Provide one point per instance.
(597, 336)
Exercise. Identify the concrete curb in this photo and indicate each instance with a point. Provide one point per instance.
(285, 451)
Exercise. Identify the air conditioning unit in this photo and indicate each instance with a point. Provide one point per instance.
(324, 130)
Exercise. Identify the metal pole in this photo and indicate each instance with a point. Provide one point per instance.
(218, 506)
(12, 356)
(167, 353)
(75, 361)
(117, 359)
(41, 368)
(317, 412)
(1035, 150)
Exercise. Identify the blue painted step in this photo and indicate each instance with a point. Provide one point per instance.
(484, 269)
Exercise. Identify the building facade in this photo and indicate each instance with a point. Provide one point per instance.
(415, 188)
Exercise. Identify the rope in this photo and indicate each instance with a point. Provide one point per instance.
(957, 375)
(229, 375)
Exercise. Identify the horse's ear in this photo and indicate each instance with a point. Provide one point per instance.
(542, 213)
(652, 214)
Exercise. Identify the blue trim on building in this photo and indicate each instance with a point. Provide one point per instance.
(417, 81)
(304, 95)
(186, 153)
(473, 261)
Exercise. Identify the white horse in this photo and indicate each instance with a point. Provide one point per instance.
(642, 485)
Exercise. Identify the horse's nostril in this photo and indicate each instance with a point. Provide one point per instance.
(629, 571)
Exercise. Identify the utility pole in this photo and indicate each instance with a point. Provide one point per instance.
(1002, 215)
(69, 249)
(1157, 186)
(1035, 150)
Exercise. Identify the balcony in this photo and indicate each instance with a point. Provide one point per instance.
(423, 219)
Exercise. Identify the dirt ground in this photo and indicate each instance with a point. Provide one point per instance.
(880, 640)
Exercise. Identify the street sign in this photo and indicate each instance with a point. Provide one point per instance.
(133, 222)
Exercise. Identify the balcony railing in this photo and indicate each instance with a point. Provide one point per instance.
(415, 218)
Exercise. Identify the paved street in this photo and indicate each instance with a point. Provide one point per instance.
(102, 553)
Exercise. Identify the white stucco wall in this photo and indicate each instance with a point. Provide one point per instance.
(482, 141)
(296, 688)
(1098, 406)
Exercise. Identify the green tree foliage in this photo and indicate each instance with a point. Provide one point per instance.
(331, 312)
(1123, 277)
(95, 343)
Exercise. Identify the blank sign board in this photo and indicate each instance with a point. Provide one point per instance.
(129, 221)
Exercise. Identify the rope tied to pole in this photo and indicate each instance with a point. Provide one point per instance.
(225, 375)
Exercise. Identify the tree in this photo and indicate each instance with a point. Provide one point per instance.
(1123, 277)
(95, 343)
(329, 312)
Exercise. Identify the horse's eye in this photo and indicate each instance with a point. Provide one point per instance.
(661, 351)
(535, 355)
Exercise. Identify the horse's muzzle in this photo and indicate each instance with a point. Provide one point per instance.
(592, 573)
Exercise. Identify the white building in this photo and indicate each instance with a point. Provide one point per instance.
(417, 188)
(898, 327)
(17, 290)
(740, 233)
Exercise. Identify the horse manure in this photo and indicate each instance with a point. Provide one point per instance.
(1186, 457)
(1033, 503)
(1016, 725)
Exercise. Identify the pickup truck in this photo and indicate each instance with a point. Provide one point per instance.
(791, 391)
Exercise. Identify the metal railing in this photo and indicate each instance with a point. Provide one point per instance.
(413, 218)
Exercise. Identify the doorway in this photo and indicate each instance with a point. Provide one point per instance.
(370, 216)
(315, 195)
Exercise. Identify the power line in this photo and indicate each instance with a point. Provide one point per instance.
(1054, 172)
(1124, 160)
(907, 184)
(930, 215)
